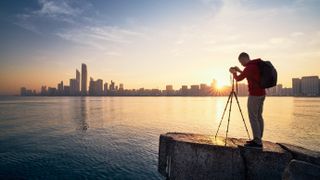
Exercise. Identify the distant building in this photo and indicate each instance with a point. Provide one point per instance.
(184, 90)
(287, 92)
(194, 90)
(52, 91)
(243, 89)
(121, 88)
(78, 82)
(43, 91)
(84, 75)
(105, 88)
(66, 90)
(296, 87)
(279, 90)
(169, 90)
(112, 86)
(310, 85)
(73, 87)
(27, 92)
(204, 90)
(95, 87)
(60, 88)
(99, 87)
(91, 87)
(23, 91)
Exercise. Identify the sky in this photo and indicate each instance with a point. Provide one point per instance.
(152, 43)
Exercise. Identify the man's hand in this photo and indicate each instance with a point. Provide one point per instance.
(232, 70)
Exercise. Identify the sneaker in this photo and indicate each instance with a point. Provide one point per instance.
(253, 144)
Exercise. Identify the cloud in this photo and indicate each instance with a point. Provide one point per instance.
(49, 12)
(56, 8)
(100, 36)
(296, 34)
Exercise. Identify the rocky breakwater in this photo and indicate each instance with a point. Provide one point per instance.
(195, 156)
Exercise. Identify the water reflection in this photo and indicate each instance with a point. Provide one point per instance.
(83, 124)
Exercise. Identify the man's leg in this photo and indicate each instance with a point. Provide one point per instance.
(261, 121)
(253, 111)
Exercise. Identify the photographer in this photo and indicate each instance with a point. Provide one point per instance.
(256, 96)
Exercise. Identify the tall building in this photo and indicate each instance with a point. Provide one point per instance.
(73, 87)
(23, 91)
(60, 88)
(91, 87)
(296, 86)
(66, 90)
(96, 87)
(112, 86)
(84, 75)
(105, 88)
(78, 82)
(310, 85)
(43, 91)
(99, 87)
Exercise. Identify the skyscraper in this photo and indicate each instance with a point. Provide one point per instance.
(296, 86)
(310, 85)
(60, 88)
(73, 87)
(78, 82)
(84, 75)
(91, 87)
(99, 87)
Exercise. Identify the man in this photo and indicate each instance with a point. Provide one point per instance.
(256, 96)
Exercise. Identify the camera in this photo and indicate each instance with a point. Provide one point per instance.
(232, 69)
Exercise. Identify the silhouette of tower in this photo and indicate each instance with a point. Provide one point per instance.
(78, 82)
(84, 75)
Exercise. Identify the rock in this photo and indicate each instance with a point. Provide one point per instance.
(297, 170)
(268, 163)
(302, 154)
(194, 156)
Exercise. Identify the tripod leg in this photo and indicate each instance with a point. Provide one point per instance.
(245, 125)
(224, 111)
(229, 117)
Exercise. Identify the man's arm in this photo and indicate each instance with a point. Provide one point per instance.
(243, 74)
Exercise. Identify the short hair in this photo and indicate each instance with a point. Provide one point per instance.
(243, 55)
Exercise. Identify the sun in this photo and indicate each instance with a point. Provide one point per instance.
(219, 85)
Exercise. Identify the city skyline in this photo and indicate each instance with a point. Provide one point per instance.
(153, 43)
(306, 86)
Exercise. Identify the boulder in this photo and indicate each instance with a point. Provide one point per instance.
(299, 170)
(302, 154)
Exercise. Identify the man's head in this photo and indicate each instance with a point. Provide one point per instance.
(244, 58)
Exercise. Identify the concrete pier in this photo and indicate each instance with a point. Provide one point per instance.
(196, 156)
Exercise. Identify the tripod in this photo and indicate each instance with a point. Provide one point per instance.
(232, 93)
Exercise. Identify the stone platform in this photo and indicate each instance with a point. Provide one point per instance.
(196, 156)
